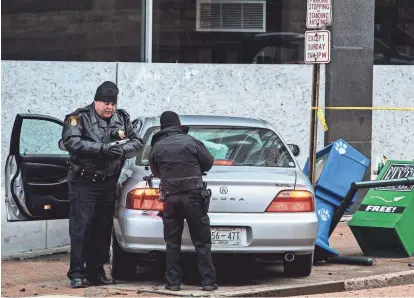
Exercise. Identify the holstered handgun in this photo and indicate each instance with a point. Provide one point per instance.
(162, 198)
(206, 195)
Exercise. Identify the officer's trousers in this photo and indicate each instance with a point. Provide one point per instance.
(92, 206)
(189, 206)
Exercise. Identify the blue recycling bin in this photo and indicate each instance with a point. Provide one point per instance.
(337, 167)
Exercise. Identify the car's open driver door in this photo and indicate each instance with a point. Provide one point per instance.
(36, 170)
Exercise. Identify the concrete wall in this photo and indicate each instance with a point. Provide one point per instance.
(393, 131)
(278, 93)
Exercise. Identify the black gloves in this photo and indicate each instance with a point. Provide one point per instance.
(111, 152)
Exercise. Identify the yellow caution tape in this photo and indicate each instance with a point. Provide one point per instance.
(321, 116)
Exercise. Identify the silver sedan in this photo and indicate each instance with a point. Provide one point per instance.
(262, 204)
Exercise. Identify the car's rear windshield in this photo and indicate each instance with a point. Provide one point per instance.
(234, 146)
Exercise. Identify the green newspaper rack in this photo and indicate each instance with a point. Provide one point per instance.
(383, 224)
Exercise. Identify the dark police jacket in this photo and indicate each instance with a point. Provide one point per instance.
(84, 132)
(179, 160)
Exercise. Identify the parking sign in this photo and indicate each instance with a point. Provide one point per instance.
(318, 14)
(317, 46)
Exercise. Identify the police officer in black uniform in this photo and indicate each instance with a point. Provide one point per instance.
(179, 160)
(95, 167)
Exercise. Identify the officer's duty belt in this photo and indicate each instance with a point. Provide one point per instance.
(93, 176)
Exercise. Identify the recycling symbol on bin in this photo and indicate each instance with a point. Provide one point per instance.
(323, 214)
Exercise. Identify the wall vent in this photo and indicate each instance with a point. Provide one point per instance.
(231, 15)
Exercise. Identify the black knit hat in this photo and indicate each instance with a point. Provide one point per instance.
(107, 92)
(168, 119)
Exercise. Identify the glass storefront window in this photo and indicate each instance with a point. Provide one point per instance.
(394, 32)
(183, 31)
(71, 30)
(229, 31)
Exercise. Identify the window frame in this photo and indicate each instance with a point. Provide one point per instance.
(149, 131)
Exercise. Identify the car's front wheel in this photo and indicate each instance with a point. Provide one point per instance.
(301, 266)
(123, 264)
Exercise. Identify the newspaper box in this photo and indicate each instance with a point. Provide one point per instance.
(383, 224)
(337, 166)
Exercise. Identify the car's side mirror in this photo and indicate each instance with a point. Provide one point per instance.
(61, 145)
(295, 149)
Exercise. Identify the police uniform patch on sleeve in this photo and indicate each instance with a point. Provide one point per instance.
(74, 120)
(121, 134)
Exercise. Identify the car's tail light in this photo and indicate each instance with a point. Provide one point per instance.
(223, 162)
(144, 199)
(292, 201)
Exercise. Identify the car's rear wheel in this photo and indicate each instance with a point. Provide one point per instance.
(301, 266)
(123, 264)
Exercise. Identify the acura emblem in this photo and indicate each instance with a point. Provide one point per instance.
(223, 190)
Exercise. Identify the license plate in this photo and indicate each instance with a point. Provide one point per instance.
(223, 236)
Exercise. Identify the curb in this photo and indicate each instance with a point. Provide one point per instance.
(36, 253)
(286, 291)
(362, 283)
(380, 281)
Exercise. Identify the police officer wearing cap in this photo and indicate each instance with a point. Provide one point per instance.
(179, 160)
(95, 167)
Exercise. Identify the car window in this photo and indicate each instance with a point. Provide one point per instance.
(273, 54)
(38, 137)
(240, 146)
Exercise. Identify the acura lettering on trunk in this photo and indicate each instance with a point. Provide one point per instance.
(231, 199)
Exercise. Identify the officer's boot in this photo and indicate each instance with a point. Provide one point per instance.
(212, 287)
(172, 288)
(99, 281)
(77, 283)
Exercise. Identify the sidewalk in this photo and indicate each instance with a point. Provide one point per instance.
(325, 278)
(47, 276)
(393, 291)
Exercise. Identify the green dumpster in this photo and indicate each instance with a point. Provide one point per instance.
(383, 224)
